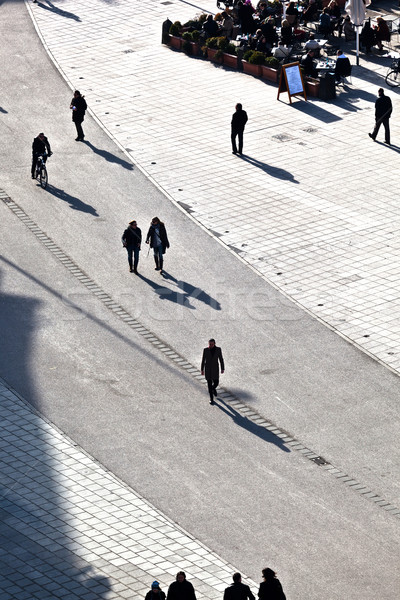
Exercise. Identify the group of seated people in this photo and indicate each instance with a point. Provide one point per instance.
(342, 66)
(374, 36)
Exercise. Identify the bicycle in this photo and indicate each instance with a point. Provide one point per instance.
(41, 171)
(393, 74)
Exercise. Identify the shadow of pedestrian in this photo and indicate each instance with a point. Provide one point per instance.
(193, 292)
(3, 110)
(389, 147)
(250, 426)
(273, 171)
(109, 157)
(74, 203)
(166, 293)
(63, 13)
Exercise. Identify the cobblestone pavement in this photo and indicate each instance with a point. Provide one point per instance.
(69, 529)
(313, 203)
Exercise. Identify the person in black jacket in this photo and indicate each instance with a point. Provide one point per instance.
(39, 146)
(78, 107)
(239, 120)
(181, 589)
(131, 240)
(210, 368)
(155, 593)
(383, 111)
(270, 588)
(157, 236)
(238, 590)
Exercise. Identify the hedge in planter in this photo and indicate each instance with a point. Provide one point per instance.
(252, 61)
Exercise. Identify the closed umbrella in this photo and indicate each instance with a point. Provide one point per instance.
(356, 11)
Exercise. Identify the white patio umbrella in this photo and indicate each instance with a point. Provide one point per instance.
(356, 10)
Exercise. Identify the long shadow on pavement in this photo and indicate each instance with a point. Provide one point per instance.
(315, 111)
(250, 426)
(181, 298)
(109, 157)
(74, 203)
(273, 171)
(63, 13)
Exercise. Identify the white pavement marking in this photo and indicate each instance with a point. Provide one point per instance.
(313, 206)
(71, 528)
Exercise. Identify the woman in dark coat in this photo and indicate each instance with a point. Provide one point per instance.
(270, 588)
(157, 236)
(78, 107)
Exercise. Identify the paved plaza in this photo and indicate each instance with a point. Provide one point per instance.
(313, 203)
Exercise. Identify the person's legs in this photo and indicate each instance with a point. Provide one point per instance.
(240, 136)
(233, 139)
(79, 130)
(34, 159)
(136, 259)
(376, 129)
(215, 385)
(158, 257)
(387, 130)
(129, 249)
(210, 389)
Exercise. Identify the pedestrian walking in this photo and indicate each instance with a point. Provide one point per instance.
(212, 358)
(270, 588)
(238, 590)
(181, 589)
(78, 107)
(39, 146)
(158, 239)
(239, 120)
(155, 593)
(383, 111)
(131, 240)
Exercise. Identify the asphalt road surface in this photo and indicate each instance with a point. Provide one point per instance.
(210, 469)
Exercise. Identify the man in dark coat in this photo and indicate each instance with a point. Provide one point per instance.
(157, 236)
(239, 120)
(39, 146)
(181, 589)
(131, 240)
(383, 111)
(238, 590)
(307, 62)
(210, 367)
(78, 107)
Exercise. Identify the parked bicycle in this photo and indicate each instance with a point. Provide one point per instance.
(41, 170)
(393, 74)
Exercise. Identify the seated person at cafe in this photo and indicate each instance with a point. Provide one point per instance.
(259, 43)
(245, 15)
(382, 32)
(325, 26)
(367, 36)
(226, 25)
(310, 13)
(292, 13)
(307, 62)
(299, 35)
(269, 31)
(286, 32)
(348, 30)
(312, 44)
(336, 16)
(343, 66)
(262, 11)
(211, 27)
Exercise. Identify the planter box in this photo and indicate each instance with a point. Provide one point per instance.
(312, 87)
(194, 48)
(251, 69)
(230, 60)
(269, 73)
(211, 52)
(175, 42)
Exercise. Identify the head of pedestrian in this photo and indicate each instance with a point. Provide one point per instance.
(268, 573)
(155, 221)
(77, 94)
(132, 223)
(381, 92)
(211, 343)
(180, 576)
(237, 578)
(155, 587)
(238, 106)
(41, 136)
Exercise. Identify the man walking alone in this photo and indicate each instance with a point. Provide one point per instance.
(239, 120)
(383, 111)
(212, 357)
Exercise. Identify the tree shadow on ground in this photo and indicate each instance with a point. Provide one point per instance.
(74, 202)
(109, 157)
(273, 171)
(250, 426)
(63, 13)
(181, 298)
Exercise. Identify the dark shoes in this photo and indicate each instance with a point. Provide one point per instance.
(215, 392)
(211, 401)
(371, 136)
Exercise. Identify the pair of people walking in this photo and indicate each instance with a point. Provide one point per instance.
(270, 588)
(156, 237)
(180, 589)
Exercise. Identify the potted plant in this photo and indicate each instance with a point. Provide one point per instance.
(190, 44)
(252, 61)
(175, 35)
(229, 56)
(213, 47)
(270, 70)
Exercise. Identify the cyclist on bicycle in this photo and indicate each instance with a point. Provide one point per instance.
(39, 147)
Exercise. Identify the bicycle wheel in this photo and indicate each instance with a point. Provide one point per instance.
(43, 177)
(393, 78)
